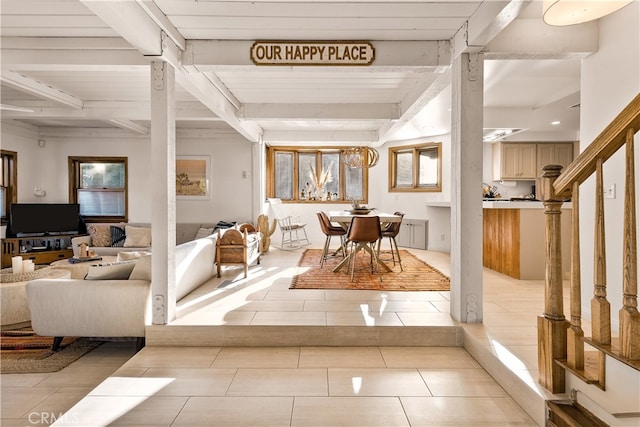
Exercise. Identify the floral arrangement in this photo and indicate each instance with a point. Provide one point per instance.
(319, 182)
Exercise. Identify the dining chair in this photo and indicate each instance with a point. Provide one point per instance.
(330, 230)
(391, 230)
(290, 227)
(363, 233)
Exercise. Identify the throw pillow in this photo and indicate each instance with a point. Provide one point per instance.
(142, 270)
(111, 271)
(125, 256)
(100, 234)
(137, 237)
(203, 232)
(118, 236)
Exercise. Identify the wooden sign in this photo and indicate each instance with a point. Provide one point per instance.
(312, 53)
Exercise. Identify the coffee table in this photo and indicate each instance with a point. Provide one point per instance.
(79, 270)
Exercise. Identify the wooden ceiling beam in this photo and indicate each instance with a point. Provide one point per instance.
(39, 89)
(354, 111)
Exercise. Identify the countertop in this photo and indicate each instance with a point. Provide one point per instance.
(518, 205)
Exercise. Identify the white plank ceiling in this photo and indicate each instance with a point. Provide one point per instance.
(83, 64)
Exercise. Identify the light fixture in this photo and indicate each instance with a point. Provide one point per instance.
(556, 122)
(571, 12)
(360, 157)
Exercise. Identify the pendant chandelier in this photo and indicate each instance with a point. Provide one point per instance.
(360, 157)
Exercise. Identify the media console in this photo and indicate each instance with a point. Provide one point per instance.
(42, 250)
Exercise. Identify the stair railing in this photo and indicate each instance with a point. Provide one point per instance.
(561, 343)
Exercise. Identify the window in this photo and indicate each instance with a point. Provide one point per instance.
(415, 167)
(8, 182)
(312, 175)
(99, 185)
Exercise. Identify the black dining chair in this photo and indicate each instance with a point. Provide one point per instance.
(363, 233)
(391, 230)
(330, 230)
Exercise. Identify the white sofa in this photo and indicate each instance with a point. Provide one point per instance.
(113, 308)
(185, 232)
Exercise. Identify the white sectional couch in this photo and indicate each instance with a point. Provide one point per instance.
(113, 308)
(98, 237)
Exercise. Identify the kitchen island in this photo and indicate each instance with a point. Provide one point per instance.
(514, 238)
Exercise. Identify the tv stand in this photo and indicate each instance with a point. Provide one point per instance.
(33, 249)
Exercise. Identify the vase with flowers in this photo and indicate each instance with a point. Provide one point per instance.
(319, 182)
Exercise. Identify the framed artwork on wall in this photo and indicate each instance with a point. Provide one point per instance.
(192, 177)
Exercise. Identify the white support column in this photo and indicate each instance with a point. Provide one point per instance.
(163, 190)
(466, 188)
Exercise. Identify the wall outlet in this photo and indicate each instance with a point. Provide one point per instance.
(610, 193)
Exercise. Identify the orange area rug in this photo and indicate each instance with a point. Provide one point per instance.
(417, 274)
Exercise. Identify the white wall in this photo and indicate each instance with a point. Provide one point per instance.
(610, 79)
(231, 195)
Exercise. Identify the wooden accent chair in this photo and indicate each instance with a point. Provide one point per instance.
(330, 230)
(391, 230)
(235, 247)
(363, 233)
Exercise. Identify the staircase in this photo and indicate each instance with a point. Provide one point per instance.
(564, 353)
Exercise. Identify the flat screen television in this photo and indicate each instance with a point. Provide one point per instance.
(37, 219)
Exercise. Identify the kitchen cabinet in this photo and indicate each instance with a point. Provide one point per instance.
(413, 234)
(554, 154)
(514, 161)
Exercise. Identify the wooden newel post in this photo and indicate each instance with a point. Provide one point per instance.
(552, 325)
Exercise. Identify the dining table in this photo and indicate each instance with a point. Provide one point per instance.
(344, 218)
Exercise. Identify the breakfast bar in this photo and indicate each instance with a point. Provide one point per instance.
(513, 238)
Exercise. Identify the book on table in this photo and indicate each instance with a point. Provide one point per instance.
(75, 260)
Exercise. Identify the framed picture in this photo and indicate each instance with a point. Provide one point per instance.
(192, 177)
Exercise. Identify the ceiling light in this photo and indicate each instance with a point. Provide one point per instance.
(571, 12)
(360, 157)
(557, 122)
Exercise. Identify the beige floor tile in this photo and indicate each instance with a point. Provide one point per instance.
(348, 411)
(346, 318)
(218, 317)
(272, 305)
(376, 382)
(279, 382)
(510, 319)
(22, 380)
(59, 402)
(169, 382)
(235, 411)
(464, 411)
(179, 357)
(461, 382)
(339, 306)
(17, 402)
(427, 319)
(295, 294)
(306, 318)
(526, 353)
(123, 410)
(344, 357)
(257, 357)
(79, 375)
(428, 357)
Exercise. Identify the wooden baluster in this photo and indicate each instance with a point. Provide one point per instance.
(575, 334)
(600, 307)
(629, 316)
(552, 325)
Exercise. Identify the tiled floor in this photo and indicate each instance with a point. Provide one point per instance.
(297, 386)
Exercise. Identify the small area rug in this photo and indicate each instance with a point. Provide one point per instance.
(417, 274)
(22, 351)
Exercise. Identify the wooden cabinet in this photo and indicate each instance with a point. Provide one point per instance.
(413, 234)
(554, 154)
(514, 242)
(11, 248)
(514, 161)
